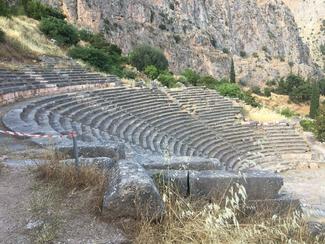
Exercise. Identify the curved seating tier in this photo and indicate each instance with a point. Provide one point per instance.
(188, 122)
(34, 80)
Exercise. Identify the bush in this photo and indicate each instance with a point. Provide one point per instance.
(208, 81)
(307, 125)
(256, 90)
(191, 76)
(287, 112)
(243, 54)
(2, 36)
(167, 79)
(98, 58)
(271, 82)
(145, 55)
(225, 50)
(63, 33)
(98, 41)
(129, 74)
(267, 91)
(36, 10)
(229, 90)
(86, 35)
(4, 8)
(152, 72)
(301, 94)
(249, 99)
(298, 89)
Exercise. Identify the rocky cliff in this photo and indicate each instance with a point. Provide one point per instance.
(262, 35)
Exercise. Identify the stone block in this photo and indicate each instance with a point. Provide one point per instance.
(92, 151)
(131, 192)
(182, 163)
(176, 179)
(258, 184)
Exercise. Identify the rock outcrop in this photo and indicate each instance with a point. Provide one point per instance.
(202, 34)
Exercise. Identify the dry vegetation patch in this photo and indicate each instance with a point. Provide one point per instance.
(197, 222)
(24, 40)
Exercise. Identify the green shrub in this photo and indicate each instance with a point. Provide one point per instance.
(129, 74)
(167, 79)
(145, 55)
(191, 76)
(2, 36)
(86, 35)
(98, 41)
(37, 10)
(256, 90)
(4, 8)
(322, 49)
(301, 93)
(225, 50)
(267, 91)
(98, 58)
(208, 81)
(152, 72)
(298, 89)
(271, 82)
(287, 112)
(63, 33)
(249, 99)
(229, 90)
(243, 54)
(307, 125)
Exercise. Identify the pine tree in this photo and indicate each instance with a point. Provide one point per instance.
(232, 72)
(314, 103)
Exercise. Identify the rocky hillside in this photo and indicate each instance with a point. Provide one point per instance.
(203, 34)
(309, 15)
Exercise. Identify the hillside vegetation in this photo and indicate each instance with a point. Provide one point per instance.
(24, 41)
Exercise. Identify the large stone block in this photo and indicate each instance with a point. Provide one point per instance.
(175, 179)
(258, 184)
(92, 151)
(182, 163)
(101, 162)
(131, 193)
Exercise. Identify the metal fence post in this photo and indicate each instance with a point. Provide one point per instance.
(75, 150)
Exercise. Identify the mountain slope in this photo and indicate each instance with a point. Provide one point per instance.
(202, 34)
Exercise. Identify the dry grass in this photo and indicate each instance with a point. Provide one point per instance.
(277, 102)
(262, 114)
(69, 178)
(188, 222)
(23, 35)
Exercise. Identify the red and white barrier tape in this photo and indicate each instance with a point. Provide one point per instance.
(69, 134)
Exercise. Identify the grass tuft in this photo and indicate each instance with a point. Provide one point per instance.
(68, 178)
(210, 222)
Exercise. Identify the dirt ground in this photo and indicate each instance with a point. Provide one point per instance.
(309, 186)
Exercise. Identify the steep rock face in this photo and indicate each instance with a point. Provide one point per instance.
(310, 15)
(200, 34)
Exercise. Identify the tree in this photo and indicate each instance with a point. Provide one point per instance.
(320, 124)
(232, 72)
(145, 55)
(314, 103)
